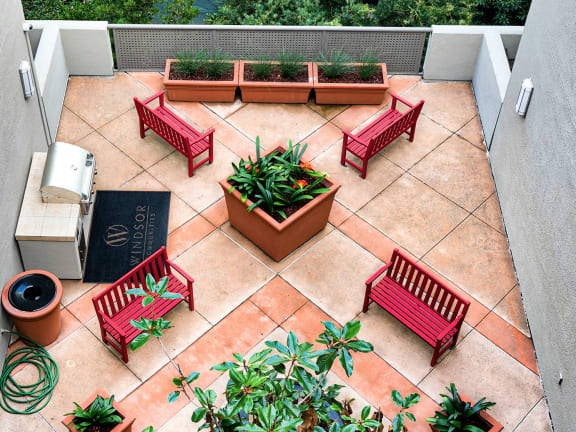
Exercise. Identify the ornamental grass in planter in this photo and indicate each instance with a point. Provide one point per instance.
(286, 80)
(278, 201)
(459, 414)
(201, 76)
(98, 413)
(340, 82)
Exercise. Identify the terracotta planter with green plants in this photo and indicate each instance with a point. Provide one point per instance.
(256, 188)
(288, 80)
(460, 414)
(100, 412)
(339, 82)
(201, 77)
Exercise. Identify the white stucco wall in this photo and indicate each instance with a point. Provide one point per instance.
(490, 81)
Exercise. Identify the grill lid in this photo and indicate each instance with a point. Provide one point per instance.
(67, 174)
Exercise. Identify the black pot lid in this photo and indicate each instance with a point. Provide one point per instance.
(32, 292)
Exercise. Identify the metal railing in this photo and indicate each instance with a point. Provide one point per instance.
(147, 46)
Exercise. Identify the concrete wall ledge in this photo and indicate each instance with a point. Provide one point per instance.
(86, 46)
(453, 50)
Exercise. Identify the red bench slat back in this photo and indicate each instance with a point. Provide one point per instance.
(395, 129)
(426, 288)
(114, 298)
(164, 127)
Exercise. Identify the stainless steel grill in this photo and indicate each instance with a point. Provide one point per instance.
(69, 176)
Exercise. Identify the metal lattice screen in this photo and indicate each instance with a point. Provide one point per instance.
(146, 47)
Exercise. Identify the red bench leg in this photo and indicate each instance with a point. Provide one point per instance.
(191, 297)
(344, 144)
(124, 349)
(412, 132)
(211, 148)
(366, 298)
(190, 166)
(364, 168)
(436, 354)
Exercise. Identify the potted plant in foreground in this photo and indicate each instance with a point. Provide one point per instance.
(278, 201)
(287, 80)
(201, 76)
(459, 414)
(98, 413)
(284, 388)
(337, 81)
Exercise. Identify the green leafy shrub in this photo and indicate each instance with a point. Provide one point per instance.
(335, 66)
(290, 64)
(276, 181)
(455, 415)
(404, 404)
(99, 413)
(281, 387)
(113, 11)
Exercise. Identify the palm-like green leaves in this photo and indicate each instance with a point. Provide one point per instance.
(275, 181)
(151, 326)
(456, 413)
(100, 412)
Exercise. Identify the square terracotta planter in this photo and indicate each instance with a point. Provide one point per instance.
(275, 92)
(198, 90)
(350, 93)
(487, 418)
(279, 239)
(125, 426)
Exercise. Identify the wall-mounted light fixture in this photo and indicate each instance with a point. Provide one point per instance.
(27, 79)
(524, 97)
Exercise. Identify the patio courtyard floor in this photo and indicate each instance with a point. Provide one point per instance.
(433, 198)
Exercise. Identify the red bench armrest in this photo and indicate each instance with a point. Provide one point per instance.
(159, 95)
(398, 98)
(204, 135)
(349, 135)
(378, 273)
(453, 325)
(179, 270)
(112, 324)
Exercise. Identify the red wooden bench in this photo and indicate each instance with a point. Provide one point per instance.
(115, 308)
(175, 131)
(418, 300)
(381, 132)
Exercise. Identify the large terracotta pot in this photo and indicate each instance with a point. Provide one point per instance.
(274, 92)
(279, 239)
(350, 93)
(200, 91)
(32, 299)
(125, 426)
(496, 427)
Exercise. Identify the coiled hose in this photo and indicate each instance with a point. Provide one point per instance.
(36, 395)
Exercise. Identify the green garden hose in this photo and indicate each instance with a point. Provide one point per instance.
(37, 395)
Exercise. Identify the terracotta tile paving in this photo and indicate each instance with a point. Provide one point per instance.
(217, 213)
(278, 300)
(242, 296)
(459, 171)
(187, 235)
(427, 216)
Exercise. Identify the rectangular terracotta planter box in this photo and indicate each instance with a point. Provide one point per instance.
(277, 239)
(496, 427)
(275, 92)
(350, 93)
(125, 426)
(200, 91)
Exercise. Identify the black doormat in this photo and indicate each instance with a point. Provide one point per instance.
(127, 227)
